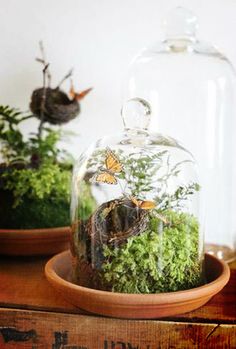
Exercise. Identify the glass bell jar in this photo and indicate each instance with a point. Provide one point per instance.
(136, 213)
(191, 88)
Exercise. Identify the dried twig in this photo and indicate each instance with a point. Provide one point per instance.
(67, 76)
(47, 74)
(45, 63)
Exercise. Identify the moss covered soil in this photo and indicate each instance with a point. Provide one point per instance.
(161, 259)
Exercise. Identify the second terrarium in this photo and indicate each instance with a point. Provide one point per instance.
(144, 234)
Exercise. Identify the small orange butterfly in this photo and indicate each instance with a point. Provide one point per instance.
(145, 205)
(80, 95)
(148, 205)
(113, 166)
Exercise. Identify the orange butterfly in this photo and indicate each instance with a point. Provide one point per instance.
(80, 95)
(113, 166)
(145, 205)
(148, 205)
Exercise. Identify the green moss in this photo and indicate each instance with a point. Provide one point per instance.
(40, 198)
(35, 198)
(158, 260)
(35, 175)
(33, 214)
(49, 180)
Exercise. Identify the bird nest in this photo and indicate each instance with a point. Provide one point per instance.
(111, 224)
(53, 105)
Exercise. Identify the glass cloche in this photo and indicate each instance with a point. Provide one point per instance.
(191, 87)
(136, 213)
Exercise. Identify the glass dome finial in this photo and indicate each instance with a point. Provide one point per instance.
(180, 23)
(136, 114)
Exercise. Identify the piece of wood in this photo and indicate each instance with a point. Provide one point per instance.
(29, 329)
(24, 285)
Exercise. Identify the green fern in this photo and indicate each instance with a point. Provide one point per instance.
(42, 180)
(12, 142)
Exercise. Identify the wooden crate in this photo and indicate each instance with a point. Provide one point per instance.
(32, 315)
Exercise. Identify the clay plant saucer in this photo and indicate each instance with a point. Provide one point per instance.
(58, 271)
(34, 242)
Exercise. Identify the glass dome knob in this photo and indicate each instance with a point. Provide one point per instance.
(180, 23)
(136, 114)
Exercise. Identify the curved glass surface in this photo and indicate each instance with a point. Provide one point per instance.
(136, 213)
(191, 88)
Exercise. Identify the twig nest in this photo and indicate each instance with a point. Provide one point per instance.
(115, 221)
(56, 109)
(111, 224)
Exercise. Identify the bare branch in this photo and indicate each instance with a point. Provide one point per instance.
(67, 76)
(45, 68)
(45, 63)
(42, 50)
(48, 75)
(39, 60)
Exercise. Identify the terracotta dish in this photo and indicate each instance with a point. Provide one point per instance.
(137, 306)
(33, 242)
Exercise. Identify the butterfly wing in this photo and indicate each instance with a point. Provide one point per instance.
(147, 205)
(144, 205)
(112, 162)
(81, 95)
(105, 177)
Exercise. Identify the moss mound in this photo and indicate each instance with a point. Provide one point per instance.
(162, 259)
(33, 214)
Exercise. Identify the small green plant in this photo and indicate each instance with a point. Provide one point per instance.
(48, 179)
(34, 175)
(13, 146)
(156, 262)
(143, 174)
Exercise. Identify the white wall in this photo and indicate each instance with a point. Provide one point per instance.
(98, 39)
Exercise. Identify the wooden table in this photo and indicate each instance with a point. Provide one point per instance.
(32, 315)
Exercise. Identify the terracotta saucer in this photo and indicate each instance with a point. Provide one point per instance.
(33, 242)
(137, 306)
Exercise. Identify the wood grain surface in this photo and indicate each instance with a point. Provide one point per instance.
(69, 331)
(33, 316)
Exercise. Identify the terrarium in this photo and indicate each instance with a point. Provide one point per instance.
(191, 87)
(144, 234)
